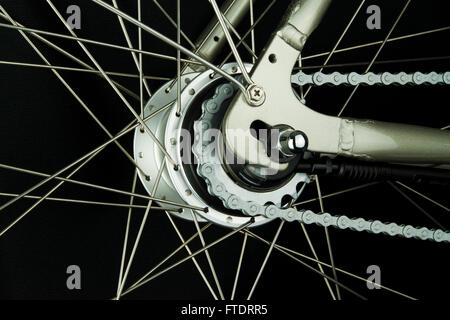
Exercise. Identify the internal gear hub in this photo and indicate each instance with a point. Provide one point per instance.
(184, 185)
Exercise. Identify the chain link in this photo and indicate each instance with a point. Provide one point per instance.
(210, 167)
(357, 224)
(252, 208)
(370, 78)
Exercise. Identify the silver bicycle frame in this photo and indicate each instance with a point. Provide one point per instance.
(364, 139)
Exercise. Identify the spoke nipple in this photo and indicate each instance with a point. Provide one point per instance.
(176, 167)
(180, 210)
(206, 210)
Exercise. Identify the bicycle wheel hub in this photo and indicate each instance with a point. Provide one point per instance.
(188, 139)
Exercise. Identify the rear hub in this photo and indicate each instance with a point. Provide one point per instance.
(232, 193)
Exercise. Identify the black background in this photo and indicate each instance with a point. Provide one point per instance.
(43, 128)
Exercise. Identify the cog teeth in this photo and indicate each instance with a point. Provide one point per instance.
(210, 169)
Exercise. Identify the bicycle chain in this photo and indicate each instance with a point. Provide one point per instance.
(370, 78)
(210, 167)
(252, 208)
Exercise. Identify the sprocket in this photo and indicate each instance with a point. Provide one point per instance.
(207, 150)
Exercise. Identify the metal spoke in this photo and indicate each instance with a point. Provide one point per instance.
(67, 54)
(265, 260)
(97, 203)
(263, 14)
(108, 79)
(241, 41)
(339, 40)
(89, 154)
(141, 229)
(130, 45)
(301, 89)
(286, 251)
(140, 64)
(98, 43)
(376, 56)
(308, 239)
(190, 256)
(75, 95)
(183, 245)
(238, 270)
(365, 45)
(178, 113)
(88, 158)
(95, 186)
(127, 230)
(141, 121)
(208, 257)
(170, 42)
(337, 193)
(24, 214)
(348, 273)
(416, 205)
(53, 67)
(330, 251)
(252, 33)
(307, 265)
(422, 195)
(137, 62)
(233, 29)
(202, 274)
(227, 34)
(160, 7)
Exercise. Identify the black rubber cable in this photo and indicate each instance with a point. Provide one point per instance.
(372, 171)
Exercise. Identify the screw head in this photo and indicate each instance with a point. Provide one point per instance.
(255, 95)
